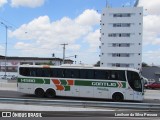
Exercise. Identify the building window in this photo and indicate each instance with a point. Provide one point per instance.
(120, 44)
(120, 55)
(121, 24)
(119, 34)
(122, 15)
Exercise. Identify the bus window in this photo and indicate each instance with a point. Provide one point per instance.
(134, 81)
(75, 73)
(39, 72)
(117, 75)
(83, 74)
(32, 72)
(54, 72)
(46, 72)
(71, 73)
(90, 74)
(60, 73)
(24, 71)
(86, 74)
(68, 73)
(100, 74)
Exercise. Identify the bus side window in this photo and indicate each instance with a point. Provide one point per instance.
(46, 72)
(54, 72)
(118, 75)
(83, 74)
(107, 77)
(60, 73)
(75, 73)
(32, 72)
(90, 74)
(24, 71)
(68, 73)
(39, 72)
(99, 74)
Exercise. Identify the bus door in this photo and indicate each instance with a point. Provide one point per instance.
(129, 93)
(135, 84)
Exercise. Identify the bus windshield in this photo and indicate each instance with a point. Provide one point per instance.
(134, 81)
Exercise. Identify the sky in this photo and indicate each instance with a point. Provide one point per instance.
(38, 27)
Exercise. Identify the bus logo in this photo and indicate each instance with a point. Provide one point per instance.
(63, 84)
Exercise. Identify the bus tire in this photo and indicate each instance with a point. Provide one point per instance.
(50, 93)
(39, 92)
(117, 97)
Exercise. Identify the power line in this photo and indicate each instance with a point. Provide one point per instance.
(11, 24)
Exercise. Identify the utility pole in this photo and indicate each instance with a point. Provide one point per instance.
(64, 47)
(6, 27)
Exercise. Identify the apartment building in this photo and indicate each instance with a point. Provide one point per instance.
(121, 37)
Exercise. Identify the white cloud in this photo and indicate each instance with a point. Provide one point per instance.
(46, 35)
(93, 39)
(152, 6)
(151, 29)
(2, 2)
(27, 3)
(88, 17)
(152, 57)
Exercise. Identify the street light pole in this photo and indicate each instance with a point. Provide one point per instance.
(6, 27)
(64, 47)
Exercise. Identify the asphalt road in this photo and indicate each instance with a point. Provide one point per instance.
(15, 94)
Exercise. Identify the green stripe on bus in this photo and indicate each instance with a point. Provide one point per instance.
(67, 88)
(34, 80)
(63, 82)
(99, 83)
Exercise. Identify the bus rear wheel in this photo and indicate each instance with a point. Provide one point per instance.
(50, 93)
(117, 97)
(39, 92)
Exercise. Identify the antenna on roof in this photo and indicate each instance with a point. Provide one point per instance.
(136, 3)
(107, 4)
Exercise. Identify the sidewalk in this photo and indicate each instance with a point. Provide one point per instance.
(5, 85)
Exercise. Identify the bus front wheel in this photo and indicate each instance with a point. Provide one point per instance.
(39, 92)
(50, 93)
(117, 97)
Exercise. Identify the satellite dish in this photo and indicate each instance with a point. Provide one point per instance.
(136, 3)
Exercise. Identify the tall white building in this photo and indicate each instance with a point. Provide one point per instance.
(121, 37)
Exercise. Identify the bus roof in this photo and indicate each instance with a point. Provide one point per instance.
(80, 67)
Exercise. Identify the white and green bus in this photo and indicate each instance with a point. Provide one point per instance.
(80, 81)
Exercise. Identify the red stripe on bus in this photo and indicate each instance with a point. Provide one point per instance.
(56, 81)
(70, 82)
(60, 87)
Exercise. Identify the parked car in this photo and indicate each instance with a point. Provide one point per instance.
(8, 77)
(154, 85)
(4, 77)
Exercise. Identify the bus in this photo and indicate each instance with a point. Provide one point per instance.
(117, 84)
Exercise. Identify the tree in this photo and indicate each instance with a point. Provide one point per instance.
(47, 63)
(144, 64)
(97, 64)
